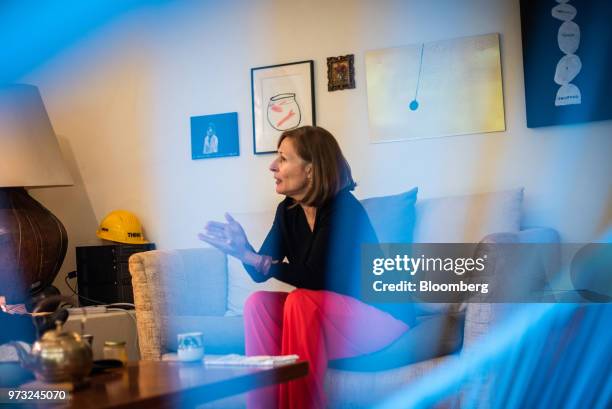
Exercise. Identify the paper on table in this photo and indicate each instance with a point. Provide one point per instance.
(258, 360)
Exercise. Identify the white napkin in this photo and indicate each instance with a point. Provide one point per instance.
(257, 360)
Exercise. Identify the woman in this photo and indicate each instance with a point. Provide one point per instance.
(319, 228)
(211, 142)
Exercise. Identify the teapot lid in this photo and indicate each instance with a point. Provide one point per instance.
(58, 333)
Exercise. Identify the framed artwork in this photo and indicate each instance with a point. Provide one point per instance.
(567, 61)
(214, 136)
(283, 99)
(341, 72)
(441, 88)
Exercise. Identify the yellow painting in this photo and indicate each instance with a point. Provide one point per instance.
(441, 88)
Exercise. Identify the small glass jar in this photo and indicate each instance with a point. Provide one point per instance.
(115, 350)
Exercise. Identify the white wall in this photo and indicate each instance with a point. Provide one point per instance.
(121, 101)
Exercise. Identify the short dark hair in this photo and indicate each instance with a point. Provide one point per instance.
(330, 170)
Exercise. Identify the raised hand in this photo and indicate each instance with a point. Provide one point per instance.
(228, 237)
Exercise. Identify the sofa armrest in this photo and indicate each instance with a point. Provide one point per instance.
(146, 269)
(539, 235)
(168, 283)
(542, 263)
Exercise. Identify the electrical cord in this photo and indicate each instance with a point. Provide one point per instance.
(133, 318)
(82, 296)
(109, 307)
(98, 302)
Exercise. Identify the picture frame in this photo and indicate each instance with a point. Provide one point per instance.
(340, 72)
(282, 99)
(214, 136)
(566, 63)
(414, 93)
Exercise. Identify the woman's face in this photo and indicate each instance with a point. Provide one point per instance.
(291, 172)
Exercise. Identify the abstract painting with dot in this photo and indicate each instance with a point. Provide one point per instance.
(431, 89)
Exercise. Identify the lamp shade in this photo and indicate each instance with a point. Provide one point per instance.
(29, 152)
(33, 242)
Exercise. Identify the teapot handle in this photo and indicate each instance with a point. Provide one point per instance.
(43, 323)
(50, 300)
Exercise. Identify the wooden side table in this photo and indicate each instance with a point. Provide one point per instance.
(158, 384)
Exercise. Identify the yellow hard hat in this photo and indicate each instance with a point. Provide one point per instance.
(121, 226)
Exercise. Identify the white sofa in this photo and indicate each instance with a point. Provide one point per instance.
(200, 289)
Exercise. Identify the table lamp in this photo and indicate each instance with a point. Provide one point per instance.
(33, 242)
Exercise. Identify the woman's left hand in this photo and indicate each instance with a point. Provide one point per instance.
(228, 237)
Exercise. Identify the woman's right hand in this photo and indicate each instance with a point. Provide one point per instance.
(228, 237)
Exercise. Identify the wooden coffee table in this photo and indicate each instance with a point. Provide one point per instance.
(155, 384)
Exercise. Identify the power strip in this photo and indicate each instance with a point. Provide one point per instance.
(91, 309)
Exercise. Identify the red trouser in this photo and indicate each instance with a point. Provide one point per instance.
(318, 326)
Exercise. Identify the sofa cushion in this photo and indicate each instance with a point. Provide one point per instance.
(467, 219)
(190, 289)
(179, 281)
(392, 216)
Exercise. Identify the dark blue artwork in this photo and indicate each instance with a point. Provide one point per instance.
(214, 136)
(567, 60)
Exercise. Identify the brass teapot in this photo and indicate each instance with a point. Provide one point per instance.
(58, 356)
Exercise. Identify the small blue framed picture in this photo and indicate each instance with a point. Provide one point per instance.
(214, 136)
